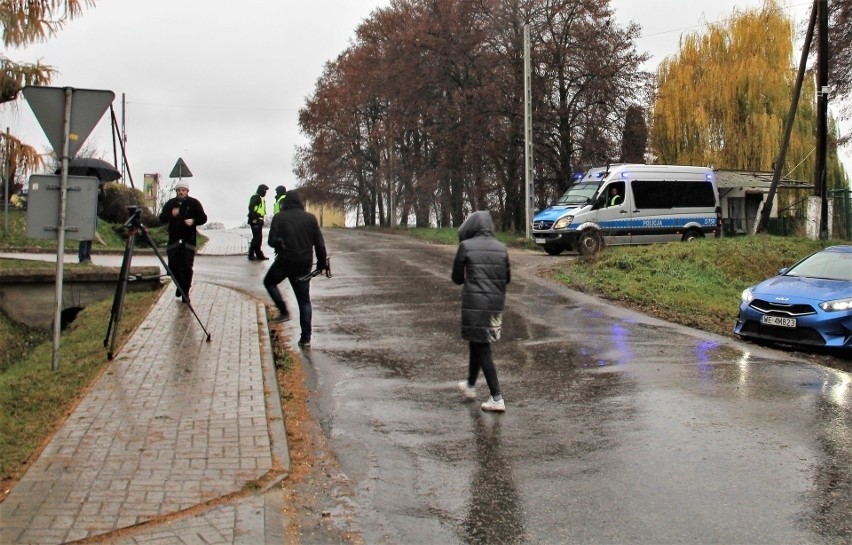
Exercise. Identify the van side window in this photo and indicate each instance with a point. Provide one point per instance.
(673, 194)
(694, 194)
(652, 194)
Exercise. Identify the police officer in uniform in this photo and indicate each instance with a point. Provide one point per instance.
(256, 215)
(280, 193)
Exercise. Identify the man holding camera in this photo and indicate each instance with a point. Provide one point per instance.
(183, 215)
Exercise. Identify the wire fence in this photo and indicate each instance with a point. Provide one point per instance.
(792, 221)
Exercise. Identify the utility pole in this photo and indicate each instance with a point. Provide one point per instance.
(763, 222)
(7, 177)
(820, 174)
(391, 185)
(528, 134)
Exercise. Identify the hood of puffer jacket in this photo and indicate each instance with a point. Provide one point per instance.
(280, 190)
(293, 200)
(477, 222)
(262, 189)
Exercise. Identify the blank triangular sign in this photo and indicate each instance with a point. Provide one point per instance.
(87, 108)
(180, 170)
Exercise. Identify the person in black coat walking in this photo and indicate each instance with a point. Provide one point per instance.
(295, 236)
(183, 214)
(482, 266)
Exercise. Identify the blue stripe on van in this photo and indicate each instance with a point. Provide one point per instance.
(655, 223)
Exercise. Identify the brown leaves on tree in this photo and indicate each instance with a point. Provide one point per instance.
(423, 115)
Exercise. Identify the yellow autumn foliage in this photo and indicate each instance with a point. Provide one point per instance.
(723, 98)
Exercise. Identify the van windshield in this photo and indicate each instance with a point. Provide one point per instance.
(579, 193)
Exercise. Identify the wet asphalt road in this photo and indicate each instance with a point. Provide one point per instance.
(619, 428)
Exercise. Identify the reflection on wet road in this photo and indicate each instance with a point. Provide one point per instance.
(619, 428)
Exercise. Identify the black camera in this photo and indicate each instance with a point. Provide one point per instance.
(135, 213)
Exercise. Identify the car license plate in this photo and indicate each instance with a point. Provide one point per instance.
(777, 320)
(540, 241)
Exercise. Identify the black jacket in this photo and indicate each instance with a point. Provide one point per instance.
(482, 265)
(295, 235)
(180, 232)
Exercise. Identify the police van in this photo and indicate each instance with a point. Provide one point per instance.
(631, 204)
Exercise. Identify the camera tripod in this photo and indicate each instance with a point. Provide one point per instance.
(134, 224)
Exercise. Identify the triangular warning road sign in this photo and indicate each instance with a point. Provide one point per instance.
(180, 170)
(87, 108)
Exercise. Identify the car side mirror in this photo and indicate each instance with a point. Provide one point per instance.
(783, 270)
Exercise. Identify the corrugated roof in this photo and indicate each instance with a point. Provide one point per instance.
(730, 179)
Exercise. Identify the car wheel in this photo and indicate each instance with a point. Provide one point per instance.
(589, 243)
(553, 250)
(692, 234)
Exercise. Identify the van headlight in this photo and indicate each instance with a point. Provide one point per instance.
(836, 306)
(563, 222)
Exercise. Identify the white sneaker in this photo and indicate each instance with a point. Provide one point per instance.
(467, 391)
(494, 406)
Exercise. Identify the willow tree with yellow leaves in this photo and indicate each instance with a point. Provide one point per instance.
(723, 98)
(23, 22)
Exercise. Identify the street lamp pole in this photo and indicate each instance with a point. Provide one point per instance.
(528, 136)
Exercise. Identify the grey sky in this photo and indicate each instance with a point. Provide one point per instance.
(220, 85)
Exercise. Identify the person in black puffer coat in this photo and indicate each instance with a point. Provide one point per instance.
(482, 266)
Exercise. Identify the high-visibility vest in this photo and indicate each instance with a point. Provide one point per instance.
(260, 208)
(279, 203)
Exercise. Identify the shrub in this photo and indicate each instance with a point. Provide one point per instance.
(117, 198)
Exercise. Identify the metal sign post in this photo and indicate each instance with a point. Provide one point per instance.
(60, 235)
(66, 129)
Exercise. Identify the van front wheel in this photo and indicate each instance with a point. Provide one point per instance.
(589, 243)
(692, 234)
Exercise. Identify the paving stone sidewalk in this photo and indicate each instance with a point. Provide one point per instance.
(231, 242)
(171, 442)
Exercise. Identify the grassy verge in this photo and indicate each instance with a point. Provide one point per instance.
(34, 399)
(19, 266)
(696, 284)
(110, 237)
(16, 237)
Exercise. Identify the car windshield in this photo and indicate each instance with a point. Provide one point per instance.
(828, 265)
(579, 193)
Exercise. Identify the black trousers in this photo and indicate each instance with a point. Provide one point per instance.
(256, 240)
(181, 260)
(277, 273)
(481, 358)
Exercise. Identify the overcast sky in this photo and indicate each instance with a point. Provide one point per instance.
(220, 85)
